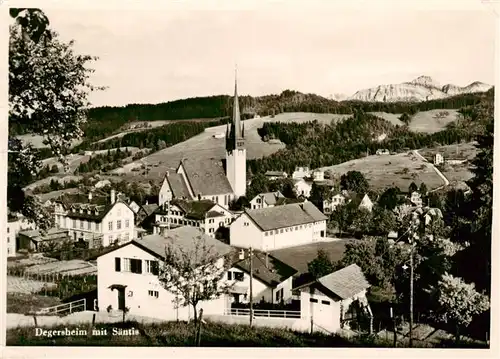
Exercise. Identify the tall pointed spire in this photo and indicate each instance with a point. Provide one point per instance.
(234, 134)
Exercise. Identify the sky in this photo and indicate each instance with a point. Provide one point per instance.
(157, 54)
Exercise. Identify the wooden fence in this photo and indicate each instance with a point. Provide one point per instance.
(65, 309)
(291, 314)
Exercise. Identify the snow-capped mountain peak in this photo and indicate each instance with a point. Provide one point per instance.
(423, 88)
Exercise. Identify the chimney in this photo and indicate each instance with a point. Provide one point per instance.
(90, 196)
(113, 196)
(242, 254)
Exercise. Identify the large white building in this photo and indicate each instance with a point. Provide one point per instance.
(277, 227)
(128, 276)
(206, 179)
(204, 214)
(96, 222)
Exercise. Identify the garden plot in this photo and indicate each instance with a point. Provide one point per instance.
(26, 286)
(71, 267)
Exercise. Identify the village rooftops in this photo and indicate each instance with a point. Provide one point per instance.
(270, 197)
(185, 239)
(177, 185)
(270, 270)
(343, 283)
(287, 215)
(51, 234)
(206, 177)
(197, 210)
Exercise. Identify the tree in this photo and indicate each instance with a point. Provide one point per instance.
(412, 188)
(383, 221)
(343, 216)
(389, 199)
(459, 302)
(193, 273)
(319, 194)
(354, 181)
(48, 90)
(405, 118)
(423, 189)
(321, 265)
(361, 221)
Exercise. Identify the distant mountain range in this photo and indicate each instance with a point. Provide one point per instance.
(423, 88)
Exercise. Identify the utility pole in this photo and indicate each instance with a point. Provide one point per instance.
(251, 286)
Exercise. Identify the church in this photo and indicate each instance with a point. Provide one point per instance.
(206, 179)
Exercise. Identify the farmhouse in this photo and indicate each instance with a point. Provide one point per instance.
(206, 180)
(274, 175)
(204, 214)
(330, 302)
(276, 227)
(318, 175)
(15, 224)
(416, 198)
(438, 159)
(99, 221)
(145, 212)
(272, 279)
(35, 241)
(128, 275)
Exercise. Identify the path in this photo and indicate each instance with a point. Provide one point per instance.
(439, 173)
(14, 320)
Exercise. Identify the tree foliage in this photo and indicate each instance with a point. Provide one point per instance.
(193, 274)
(321, 265)
(48, 89)
(354, 181)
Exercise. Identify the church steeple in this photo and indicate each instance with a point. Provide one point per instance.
(234, 135)
(236, 155)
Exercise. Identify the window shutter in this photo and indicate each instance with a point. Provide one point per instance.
(117, 264)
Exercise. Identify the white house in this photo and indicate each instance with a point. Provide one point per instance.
(329, 205)
(134, 207)
(383, 152)
(127, 277)
(416, 198)
(204, 214)
(301, 172)
(318, 175)
(438, 159)
(272, 279)
(277, 227)
(302, 188)
(264, 200)
(96, 222)
(15, 224)
(328, 302)
(199, 179)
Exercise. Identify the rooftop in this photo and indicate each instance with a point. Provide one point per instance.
(345, 282)
(206, 177)
(285, 216)
(194, 209)
(177, 185)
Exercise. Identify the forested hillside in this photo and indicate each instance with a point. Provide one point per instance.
(316, 145)
(104, 121)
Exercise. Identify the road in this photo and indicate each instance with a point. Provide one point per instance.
(439, 173)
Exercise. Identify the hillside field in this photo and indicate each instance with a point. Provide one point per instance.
(389, 170)
(205, 146)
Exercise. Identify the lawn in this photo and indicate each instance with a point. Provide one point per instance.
(37, 140)
(183, 334)
(461, 150)
(424, 121)
(23, 303)
(298, 257)
(383, 171)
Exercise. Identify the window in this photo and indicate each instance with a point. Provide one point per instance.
(8, 230)
(279, 295)
(110, 239)
(119, 224)
(152, 267)
(74, 223)
(8, 239)
(117, 264)
(89, 225)
(266, 233)
(127, 223)
(312, 300)
(97, 227)
(132, 265)
(211, 220)
(238, 276)
(229, 275)
(127, 236)
(281, 230)
(326, 302)
(153, 293)
(211, 230)
(110, 226)
(296, 228)
(246, 224)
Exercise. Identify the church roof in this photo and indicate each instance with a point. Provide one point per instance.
(287, 215)
(194, 209)
(177, 185)
(206, 177)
